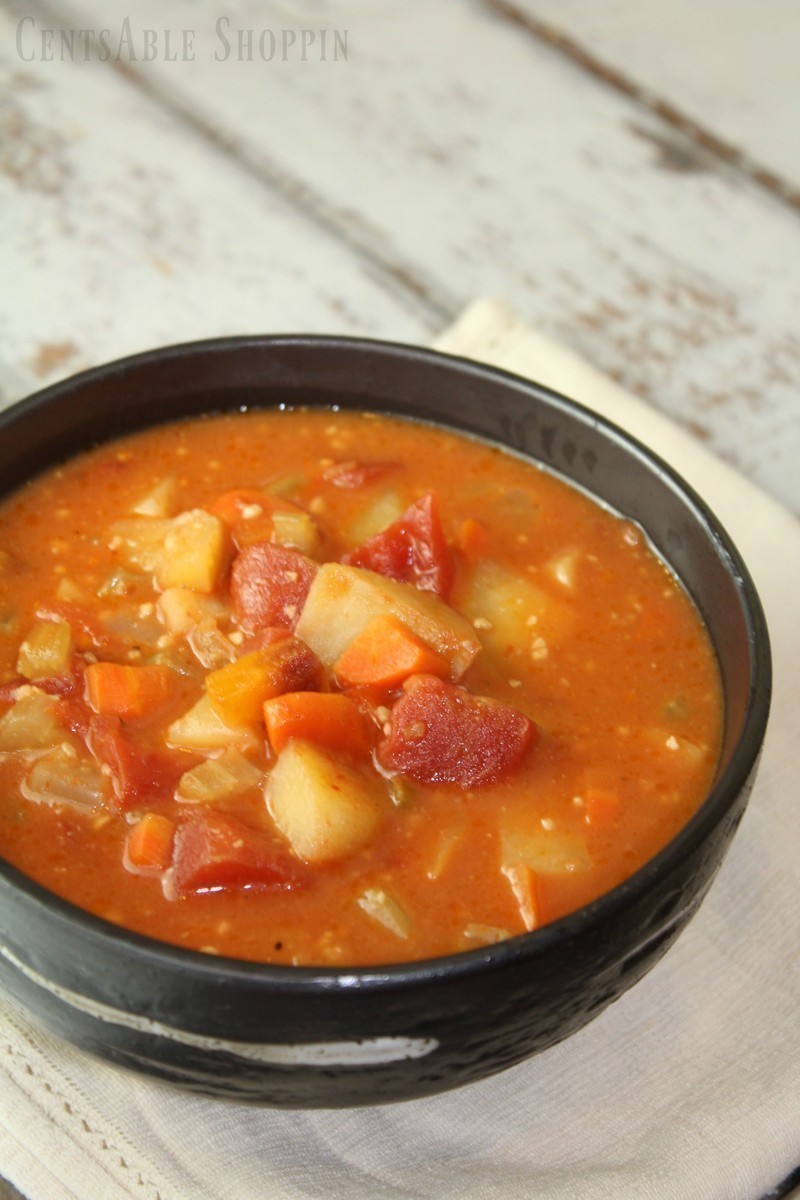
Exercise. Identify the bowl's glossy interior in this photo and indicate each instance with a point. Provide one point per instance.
(328, 1037)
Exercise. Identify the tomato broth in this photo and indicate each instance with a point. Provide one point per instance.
(324, 688)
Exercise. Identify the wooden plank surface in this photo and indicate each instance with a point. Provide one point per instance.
(731, 67)
(124, 229)
(443, 158)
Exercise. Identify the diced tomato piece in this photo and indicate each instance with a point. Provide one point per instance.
(140, 774)
(354, 474)
(441, 733)
(412, 549)
(214, 851)
(269, 585)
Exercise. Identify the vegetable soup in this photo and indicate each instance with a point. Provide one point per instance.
(323, 688)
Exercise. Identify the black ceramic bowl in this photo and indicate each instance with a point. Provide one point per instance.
(312, 1037)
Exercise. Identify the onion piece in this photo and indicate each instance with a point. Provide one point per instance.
(64, 777)
(386, 910)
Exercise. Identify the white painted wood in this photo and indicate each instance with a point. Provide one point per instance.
(732, 65)
(449, 155)
(122, 230)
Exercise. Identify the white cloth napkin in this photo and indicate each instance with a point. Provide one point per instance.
(688, 1087)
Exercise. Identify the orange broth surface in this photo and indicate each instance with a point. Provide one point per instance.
(576, 626)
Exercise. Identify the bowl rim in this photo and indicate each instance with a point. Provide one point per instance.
(317, 979)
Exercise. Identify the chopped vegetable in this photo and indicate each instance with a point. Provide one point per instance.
(214, 851)
(602, 806)
(343, 600)
(377, 514)
(148, 845)
(269, 585)
(386, 910)
(384, 654)
(325, 719)
(682, 751)
(446, 846)
(218, 779)
(324, 808)
(210, 646)
(412, 549)
(190, 550)
(69, 590)
(441, 733)
(296, 529)
(238, 691)
(46, 651)
(196, 552)
(545, 851)
(513, 613)
(203, 729)
(113, 689)
(138, 774)
(523, 884)
(474, 539)
(32, 723)
(287, 485)
(140, 540)
(563, 569)
(65, 777)
(159, 501)
(477, 934)
(182, 608)
(247, 512)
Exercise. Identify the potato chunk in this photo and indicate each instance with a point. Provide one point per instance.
(181, 608)
(191, 550)
(296, 529)
(324, 808)
(32, 722)
(159, 501)
(197, 550)
(385, 508)
(47, 651)
(203, 729)
(512, 612)
(342, 600)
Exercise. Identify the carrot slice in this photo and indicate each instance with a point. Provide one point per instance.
(601, 805)
(117, 690)
(238, 690)
(249, 513)
(473, 539)
(148, 845)
(384, 654)
(325, 718)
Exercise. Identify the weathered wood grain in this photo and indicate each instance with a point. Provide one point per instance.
(731, 68)
(446, 156)
(123, 229)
